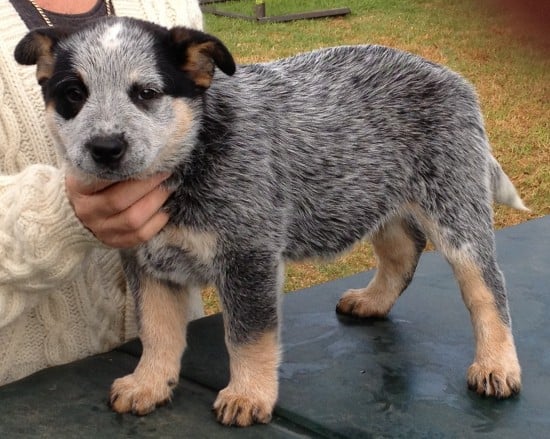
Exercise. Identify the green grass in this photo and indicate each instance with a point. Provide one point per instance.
(511, 75)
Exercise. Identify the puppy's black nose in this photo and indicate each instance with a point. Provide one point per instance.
(107, 150)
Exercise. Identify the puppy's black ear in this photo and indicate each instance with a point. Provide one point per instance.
(37, 47)
(198, 54)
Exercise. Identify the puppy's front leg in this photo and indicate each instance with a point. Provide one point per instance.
(249, 296)
(162, 313)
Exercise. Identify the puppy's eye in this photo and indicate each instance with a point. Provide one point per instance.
(75, 94)
(144, 96)
(147, 94)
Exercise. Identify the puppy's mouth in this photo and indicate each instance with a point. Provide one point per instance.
(102, 173)
(90, 171)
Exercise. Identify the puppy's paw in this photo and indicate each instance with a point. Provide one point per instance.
(363, 303)
(498, 380)
(139, 396)
(242, 410)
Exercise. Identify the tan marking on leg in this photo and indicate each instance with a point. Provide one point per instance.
(397, 256)
(252, 391)
(495, 370)
(163, 323)
(199, 243)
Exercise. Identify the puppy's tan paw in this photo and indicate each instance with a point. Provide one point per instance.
(242, 410)
(139, 396)
(499, 381)
(360, 303)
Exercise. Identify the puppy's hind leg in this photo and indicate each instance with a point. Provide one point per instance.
(398, 246)
(163, 315)
(495, 370)
(469, 248)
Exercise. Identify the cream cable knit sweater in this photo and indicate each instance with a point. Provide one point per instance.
(62, 294)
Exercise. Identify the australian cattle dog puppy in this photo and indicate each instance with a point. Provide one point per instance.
(277, 162)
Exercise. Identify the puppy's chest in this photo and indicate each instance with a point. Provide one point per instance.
(180, 255)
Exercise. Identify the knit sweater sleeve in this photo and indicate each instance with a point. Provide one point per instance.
(42, 243)
(166, 13)
(185, 13)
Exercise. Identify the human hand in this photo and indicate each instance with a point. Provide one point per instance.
(122, 214)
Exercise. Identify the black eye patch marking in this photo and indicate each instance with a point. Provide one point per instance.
(68, 93)
(144, 96)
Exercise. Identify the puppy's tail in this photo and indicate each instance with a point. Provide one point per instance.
(504, 191)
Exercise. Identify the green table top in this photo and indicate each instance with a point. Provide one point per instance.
(340, 377)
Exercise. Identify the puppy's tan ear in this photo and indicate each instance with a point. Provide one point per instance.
(198, 54)
(37, 47)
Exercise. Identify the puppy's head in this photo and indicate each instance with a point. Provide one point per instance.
(123, 96)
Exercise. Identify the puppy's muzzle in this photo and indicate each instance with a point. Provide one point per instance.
(107, 150)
